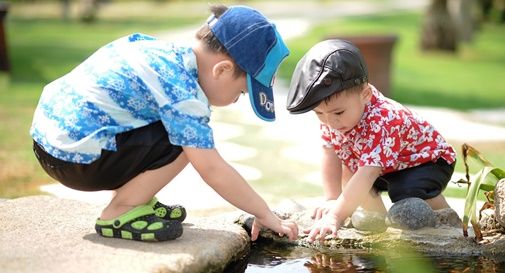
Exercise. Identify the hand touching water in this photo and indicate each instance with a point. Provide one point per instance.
(328, 224)
(323, 209)
(282, 227)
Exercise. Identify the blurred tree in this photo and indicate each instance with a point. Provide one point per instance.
(89, 9)
(4, 57)
(500, 6)
(439, 31)
(464, 18)
(485, 6)
(65, 5)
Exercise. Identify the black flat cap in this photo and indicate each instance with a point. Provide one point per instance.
(327, 68)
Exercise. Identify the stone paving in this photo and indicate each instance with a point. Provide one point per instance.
(49, 234)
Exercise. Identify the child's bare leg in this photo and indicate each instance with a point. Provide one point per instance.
(373, 201)
(142, 188)
(438, 202)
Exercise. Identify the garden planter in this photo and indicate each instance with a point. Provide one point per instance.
(377, 51)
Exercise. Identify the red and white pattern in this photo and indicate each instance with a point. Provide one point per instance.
(389, 136)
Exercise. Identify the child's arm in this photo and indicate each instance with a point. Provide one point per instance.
(331, 167)
(352, 196)
(331, 174)
(228, 183)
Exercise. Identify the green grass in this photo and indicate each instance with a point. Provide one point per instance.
(44, 48)
(41, 49)
(470, 79)
(282, 177)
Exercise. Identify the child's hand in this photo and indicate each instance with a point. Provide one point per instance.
(322, 210)
(282, 227)
(328, 224)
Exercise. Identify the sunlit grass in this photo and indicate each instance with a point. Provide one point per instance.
(470, 79)
(44, 48)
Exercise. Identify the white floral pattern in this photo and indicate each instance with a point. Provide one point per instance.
(129, 83)
(389, 136)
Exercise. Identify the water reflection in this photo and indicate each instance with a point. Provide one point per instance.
(271, 257)
(320, 263)
(280, 258)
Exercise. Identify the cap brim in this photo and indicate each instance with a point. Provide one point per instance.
(262, 99)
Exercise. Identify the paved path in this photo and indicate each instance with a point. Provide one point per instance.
(294, 18)
(188, 188)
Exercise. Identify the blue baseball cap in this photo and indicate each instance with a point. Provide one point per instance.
(257, 48)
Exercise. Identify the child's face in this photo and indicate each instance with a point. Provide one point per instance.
(221, 86)
(231, 90)
(344, 111)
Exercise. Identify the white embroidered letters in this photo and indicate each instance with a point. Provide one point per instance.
(265, 103)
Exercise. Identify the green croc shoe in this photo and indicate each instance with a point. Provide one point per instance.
(168, 212)
(140, 224)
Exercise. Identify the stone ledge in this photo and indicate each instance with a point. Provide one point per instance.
(48, 234)
(442, 240)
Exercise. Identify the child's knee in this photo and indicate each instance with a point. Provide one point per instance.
(423, 193)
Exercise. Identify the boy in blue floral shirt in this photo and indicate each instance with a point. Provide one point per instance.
(131, 117)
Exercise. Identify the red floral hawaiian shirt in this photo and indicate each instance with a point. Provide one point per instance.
(390, 136)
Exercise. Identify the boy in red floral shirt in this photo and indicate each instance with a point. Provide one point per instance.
(371, 143)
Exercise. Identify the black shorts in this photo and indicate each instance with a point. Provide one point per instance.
(138, 150)
(424, 181)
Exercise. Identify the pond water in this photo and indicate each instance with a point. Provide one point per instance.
(271, 257)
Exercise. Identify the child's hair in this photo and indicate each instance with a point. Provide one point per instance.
(205, 35)
(355, 89)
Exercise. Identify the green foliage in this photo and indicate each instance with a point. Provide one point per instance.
(42, 50)
(470, 79)
(403, 257)
(42, 47)
(484, 180)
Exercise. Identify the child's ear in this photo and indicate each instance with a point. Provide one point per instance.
(366, 93)
(223, 68)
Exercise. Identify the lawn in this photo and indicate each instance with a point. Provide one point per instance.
(470, 79)
(43, 48)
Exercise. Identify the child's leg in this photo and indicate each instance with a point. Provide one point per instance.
(426, 181)
(373, 201)
(142, 188)
(438, 202)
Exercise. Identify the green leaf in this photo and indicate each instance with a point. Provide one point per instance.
(485, 179)
(486, 187)
(498, 173)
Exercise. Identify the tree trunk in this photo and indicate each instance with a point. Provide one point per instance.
(461, 10)
(65, 9)
(439, 31)
(89, 9)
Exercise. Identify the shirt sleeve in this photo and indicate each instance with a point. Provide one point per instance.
(187, 128)
(325, 136)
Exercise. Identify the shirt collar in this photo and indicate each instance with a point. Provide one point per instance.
(190, 64)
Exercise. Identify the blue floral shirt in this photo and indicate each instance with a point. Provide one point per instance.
(129, 83)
